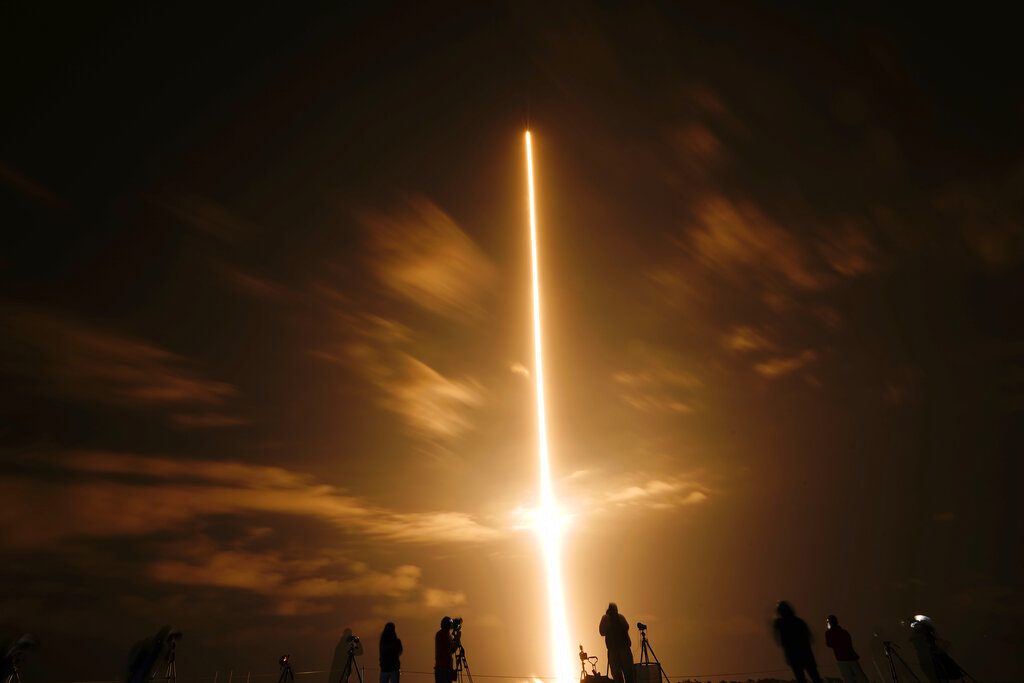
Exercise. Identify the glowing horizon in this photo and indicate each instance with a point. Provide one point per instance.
(548, 519)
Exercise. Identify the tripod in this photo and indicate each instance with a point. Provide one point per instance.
(171, 672)
(286, 671)
(461, 664)
(889, 650)
(646, 652)
(346, 671)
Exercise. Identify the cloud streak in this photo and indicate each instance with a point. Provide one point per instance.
(129, 495)
(422, 255)
(74, 359)
(430, 403)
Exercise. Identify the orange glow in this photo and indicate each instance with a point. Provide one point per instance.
(548, 520)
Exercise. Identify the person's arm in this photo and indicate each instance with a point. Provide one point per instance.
(603, 628)
(399, 646)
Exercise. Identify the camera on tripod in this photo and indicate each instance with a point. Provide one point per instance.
(284, 660)
(640, 626)
(457, 624)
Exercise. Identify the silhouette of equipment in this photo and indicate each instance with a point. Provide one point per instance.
(286, 670)
(461, 663)
(644, 670)
(593, 676)
(148, 653)
(889, 650)
(350, 662)
(12, 658)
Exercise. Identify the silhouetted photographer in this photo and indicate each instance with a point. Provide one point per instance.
(147, 654)
(839, 639)
(11, 662)
(615, 630)
(348, 648)
(792, 634)
(445, 644)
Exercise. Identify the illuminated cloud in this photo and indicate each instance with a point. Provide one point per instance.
(659, 494)
(777, 367)
(419, 253)
(848, 251)
(739, 241)
(656, 381)
(134, 495)
(78, 360)
(743, 339)
(431, 404)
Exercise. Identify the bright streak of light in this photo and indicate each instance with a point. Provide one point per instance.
(548, 521)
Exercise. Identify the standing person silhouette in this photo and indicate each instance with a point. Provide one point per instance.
(444, 648)
(390, 651)
(838, 638)
(792, 634)
(615, 630)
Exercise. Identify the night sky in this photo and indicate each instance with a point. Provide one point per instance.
(266, 330)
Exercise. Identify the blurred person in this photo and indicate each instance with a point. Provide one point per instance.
(340, 664)
(390, 651)
(792, 633)
(615, 630)
(937, 665)
(838, 638)
(444, 648)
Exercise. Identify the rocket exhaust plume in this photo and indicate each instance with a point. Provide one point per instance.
(548, 519)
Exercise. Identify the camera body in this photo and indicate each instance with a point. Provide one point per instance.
(284, 660)
(457, 624)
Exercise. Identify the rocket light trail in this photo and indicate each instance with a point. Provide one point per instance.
(548, 521)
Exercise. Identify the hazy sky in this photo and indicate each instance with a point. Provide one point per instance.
(266, 344)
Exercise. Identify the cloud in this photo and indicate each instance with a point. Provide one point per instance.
(519, 369)
(777, 367)
(421, 254)
(431, 404)
(304, 585)
(207, 419)
(659, 494)
(848, 251)
(78, 360)
(656, 381)
(739, 241)
(130, 495)
(204, 215)
(742, 338)
(594, 494)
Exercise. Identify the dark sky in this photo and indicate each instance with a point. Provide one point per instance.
(266, 344)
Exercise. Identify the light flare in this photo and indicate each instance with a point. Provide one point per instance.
(549, 522)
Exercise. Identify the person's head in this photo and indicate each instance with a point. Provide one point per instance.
(612, 609)
(389, 631)
(831, 621)
(784, 609)
(446, 623)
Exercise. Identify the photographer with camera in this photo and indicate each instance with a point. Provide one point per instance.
(445, 646)
(347, 649)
